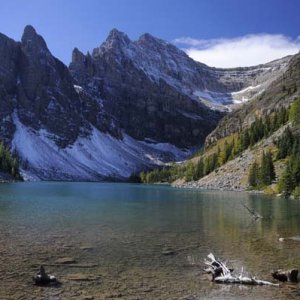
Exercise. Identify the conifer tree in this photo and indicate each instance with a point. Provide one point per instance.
(245, 140)
(253, 175)
(294, 113)
(267, 173)
(190, 171)
(287, 183)
(199, 172)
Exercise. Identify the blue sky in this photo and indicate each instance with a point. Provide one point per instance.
(66, 24)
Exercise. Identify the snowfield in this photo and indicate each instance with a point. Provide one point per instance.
(90, 158)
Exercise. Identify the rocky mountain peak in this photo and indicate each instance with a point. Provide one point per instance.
(29, 31)
(149, 41)
(116, 35)
(31, 41)
(147, 38)
(116, 39)
(115, 42)
(77, 56)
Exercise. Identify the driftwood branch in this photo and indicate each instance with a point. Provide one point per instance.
(253, 213)
(222, 274)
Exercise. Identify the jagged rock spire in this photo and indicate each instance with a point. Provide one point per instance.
(77, 56)
(118, 36)
(31, 40)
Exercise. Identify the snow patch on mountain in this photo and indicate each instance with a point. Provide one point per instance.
(227, 99)
(214, 97)
(94, 157)
(246, 94)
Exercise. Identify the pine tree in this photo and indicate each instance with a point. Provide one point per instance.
(213, 162)
(253, 175)
(224, 154)
(295, 166)
(270, 168)
(8, 162)
(190, 171)
(267, 126)
(267, 173)
(237, 146)
(245, 140)
(206, 166)
(199, 172)
(294, 112)
(285, 144)
(287, 183)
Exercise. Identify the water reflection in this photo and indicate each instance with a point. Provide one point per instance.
(128, 226)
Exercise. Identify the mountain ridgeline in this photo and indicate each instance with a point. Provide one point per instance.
(261, 153)
(125, 107)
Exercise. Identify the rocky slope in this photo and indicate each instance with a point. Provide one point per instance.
(281, 92)
(233, 176)
(128, 106)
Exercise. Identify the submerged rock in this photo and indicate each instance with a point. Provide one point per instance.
(168, 251)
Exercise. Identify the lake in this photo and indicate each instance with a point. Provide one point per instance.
(110, 240)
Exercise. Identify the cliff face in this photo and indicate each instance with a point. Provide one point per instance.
(141, 103)
(128, 106)
(283, 90)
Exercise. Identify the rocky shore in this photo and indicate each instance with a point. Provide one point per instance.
(230, 177)
(5, 177)
(233, 176)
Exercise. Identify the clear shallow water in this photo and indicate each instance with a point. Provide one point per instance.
(121, 230)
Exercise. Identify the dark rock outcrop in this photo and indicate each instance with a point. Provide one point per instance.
(141, 106)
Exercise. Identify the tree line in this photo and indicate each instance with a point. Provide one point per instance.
(9, 162)
(246, 138)
(288, 149)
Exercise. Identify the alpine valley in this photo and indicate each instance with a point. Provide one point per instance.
(125, 107)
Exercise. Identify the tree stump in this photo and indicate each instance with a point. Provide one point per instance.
(291, 275)
(42, 278)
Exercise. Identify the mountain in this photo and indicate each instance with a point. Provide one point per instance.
(283, 90)
(127, 106)
(263, 132)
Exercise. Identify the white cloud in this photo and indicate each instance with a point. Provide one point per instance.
(248, 50)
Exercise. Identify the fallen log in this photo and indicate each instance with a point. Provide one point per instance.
(222, 274)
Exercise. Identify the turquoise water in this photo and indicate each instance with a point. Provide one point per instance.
(124, 228)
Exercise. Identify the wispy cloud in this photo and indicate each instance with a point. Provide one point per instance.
(248, 50)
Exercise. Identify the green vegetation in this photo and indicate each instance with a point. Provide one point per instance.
(8, 162)
(224, 150)
(166, 174)
(294, 113)
(296, 192)
(261, 173)
(289, 149)
(264, 174)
